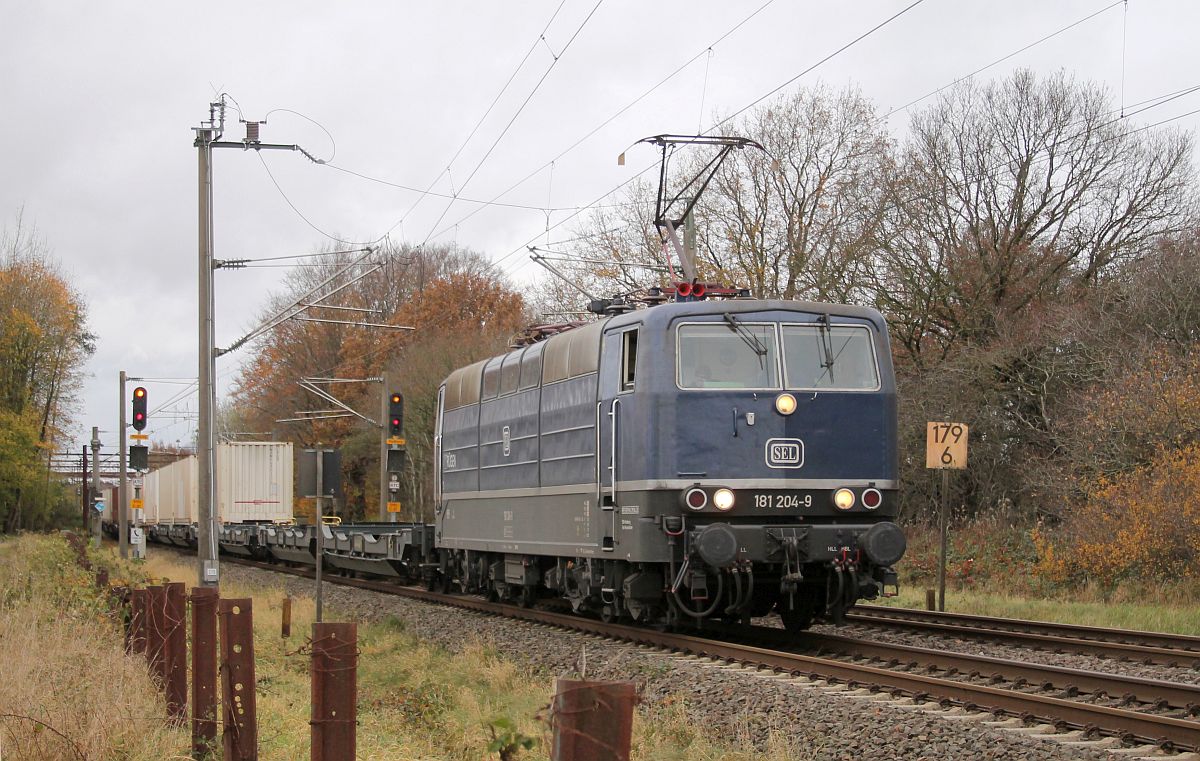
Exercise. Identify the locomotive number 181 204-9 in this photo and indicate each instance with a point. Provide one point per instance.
(783, 501)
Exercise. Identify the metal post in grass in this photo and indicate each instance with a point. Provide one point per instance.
(285, 624)
(156, 602)
(204, 671)
(593, 721)
(240, 733)
(334, 692)
(137, 621)
(175, 650)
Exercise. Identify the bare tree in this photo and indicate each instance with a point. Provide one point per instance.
(1010, 192)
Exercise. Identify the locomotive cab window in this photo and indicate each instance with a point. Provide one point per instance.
(728, 355)
(629, 343)
(821, 356)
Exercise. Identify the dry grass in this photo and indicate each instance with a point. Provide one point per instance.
(1152, 611)
(68, 690)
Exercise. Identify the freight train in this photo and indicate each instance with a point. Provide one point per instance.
(701, 459)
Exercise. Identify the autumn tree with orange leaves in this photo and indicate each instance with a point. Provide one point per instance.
(458, 313)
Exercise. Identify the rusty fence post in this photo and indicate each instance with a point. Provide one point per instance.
(930, 599)
(175, 650)
(156, 603)
(122, 598)
(204, 671)
(137, 621)
(593, 721)
(240, 733)
(334, 692)
(285, 627)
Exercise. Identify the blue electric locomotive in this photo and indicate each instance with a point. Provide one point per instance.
(706, 459)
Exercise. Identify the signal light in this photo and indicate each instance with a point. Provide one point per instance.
(395, 414)
(139, 408)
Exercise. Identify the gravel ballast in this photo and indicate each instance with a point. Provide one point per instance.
(740, 706)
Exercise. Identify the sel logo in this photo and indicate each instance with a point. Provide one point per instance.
(785, 453)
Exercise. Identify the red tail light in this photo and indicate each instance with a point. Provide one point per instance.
(872, 499)
(695, 498)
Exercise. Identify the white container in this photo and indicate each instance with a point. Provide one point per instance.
(254, 481)
(169, 494)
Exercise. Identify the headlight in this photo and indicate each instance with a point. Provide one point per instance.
(843, 499)
(723, 499)
(785, 404)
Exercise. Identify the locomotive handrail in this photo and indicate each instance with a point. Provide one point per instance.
(599, 477)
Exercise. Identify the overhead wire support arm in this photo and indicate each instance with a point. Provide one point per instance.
(314, 417)
(348, 309)
(535, 256)
(304, 384)
(354, 324)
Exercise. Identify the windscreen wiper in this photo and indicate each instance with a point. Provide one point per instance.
(748, 337)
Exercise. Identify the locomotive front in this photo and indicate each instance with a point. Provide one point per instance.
(772, 462)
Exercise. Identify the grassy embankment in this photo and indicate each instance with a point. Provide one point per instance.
(993, 569)
(69, 691)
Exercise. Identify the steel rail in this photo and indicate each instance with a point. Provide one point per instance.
(1155, 693)
(1128, 725)
(1148, 647)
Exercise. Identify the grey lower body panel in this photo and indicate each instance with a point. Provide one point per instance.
(361, 564)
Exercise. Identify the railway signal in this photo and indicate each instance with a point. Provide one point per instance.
(139, 408)
(395, 415)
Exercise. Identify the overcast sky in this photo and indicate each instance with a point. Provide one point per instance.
(100, 99)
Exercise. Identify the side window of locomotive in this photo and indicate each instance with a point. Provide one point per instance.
(491, 379)
(718, 355)
(830, 357)
(510, 373)
(554, 362)
(629, 343)
(531, 366)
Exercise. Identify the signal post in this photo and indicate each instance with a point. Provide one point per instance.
(392, 456)
(122, 501)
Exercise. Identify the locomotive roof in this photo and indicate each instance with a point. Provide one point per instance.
(463, 383)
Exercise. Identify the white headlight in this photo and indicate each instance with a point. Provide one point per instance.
(723, 499)
(785, 404)
(843, 499)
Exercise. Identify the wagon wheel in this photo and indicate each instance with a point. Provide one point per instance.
(527, 596)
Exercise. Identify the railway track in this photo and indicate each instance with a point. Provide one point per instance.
(1137, 711)
(1175, 650)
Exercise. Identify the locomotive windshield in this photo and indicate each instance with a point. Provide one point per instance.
(746, 356)
(714, 356)
(829, 357)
